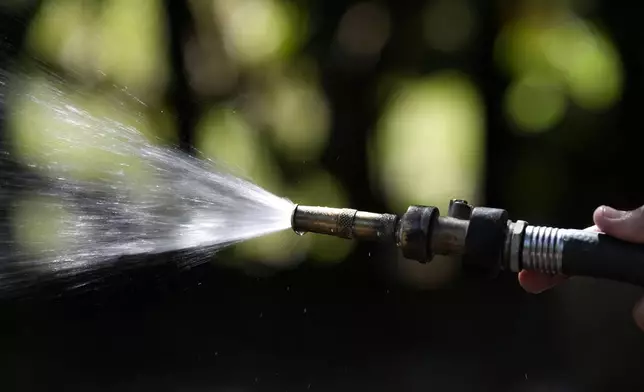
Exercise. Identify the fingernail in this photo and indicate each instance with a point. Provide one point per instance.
(611, 213)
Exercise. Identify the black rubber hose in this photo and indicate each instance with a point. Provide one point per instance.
(598, 255)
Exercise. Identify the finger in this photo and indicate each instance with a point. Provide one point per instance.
(536, 282)
(638, 314)
(625, 225)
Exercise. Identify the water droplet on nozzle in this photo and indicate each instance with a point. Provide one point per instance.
(300, 233)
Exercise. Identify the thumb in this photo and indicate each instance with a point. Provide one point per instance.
(625, 225)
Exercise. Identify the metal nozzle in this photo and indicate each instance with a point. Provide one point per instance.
(344, 223)
(419, 233)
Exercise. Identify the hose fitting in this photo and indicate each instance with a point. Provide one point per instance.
(485, 238)
(344, 223)
(543, 249)
(420, 233)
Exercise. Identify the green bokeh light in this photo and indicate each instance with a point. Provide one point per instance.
(259, 31)
(121, 40)
(297, 114)
(62, 32)
(429, 146)
(132, 41)
(595, 75)
(536, 103)
(568, 49)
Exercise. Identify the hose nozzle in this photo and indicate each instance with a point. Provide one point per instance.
(419, 233)
(484, 239)
(344, 223)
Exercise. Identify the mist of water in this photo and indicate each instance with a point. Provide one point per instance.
(147, 199)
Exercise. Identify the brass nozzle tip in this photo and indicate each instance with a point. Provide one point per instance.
(343, 223)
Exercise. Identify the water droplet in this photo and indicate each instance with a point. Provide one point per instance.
(216, 353)
(288, 288)
(308, 386)
(300, 233)
(387, 291)
(304, 311)
(369, 254)
(261, 315)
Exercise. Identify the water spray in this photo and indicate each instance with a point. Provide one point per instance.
(483, 238)
(149, 199)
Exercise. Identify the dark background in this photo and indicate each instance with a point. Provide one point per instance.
(349, 327)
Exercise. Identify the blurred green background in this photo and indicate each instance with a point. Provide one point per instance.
(372, 105)
(251, 68)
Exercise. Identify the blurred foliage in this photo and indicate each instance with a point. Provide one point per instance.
(553, 55)
(63, 31)
(536, 102)
(110, 40)
(295, 110)
(262, 108)
(431, 129)
(132, 48)
(259, 31)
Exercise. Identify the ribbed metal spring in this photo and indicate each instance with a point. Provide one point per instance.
(543, 249)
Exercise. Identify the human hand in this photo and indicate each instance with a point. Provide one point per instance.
(625, 225)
